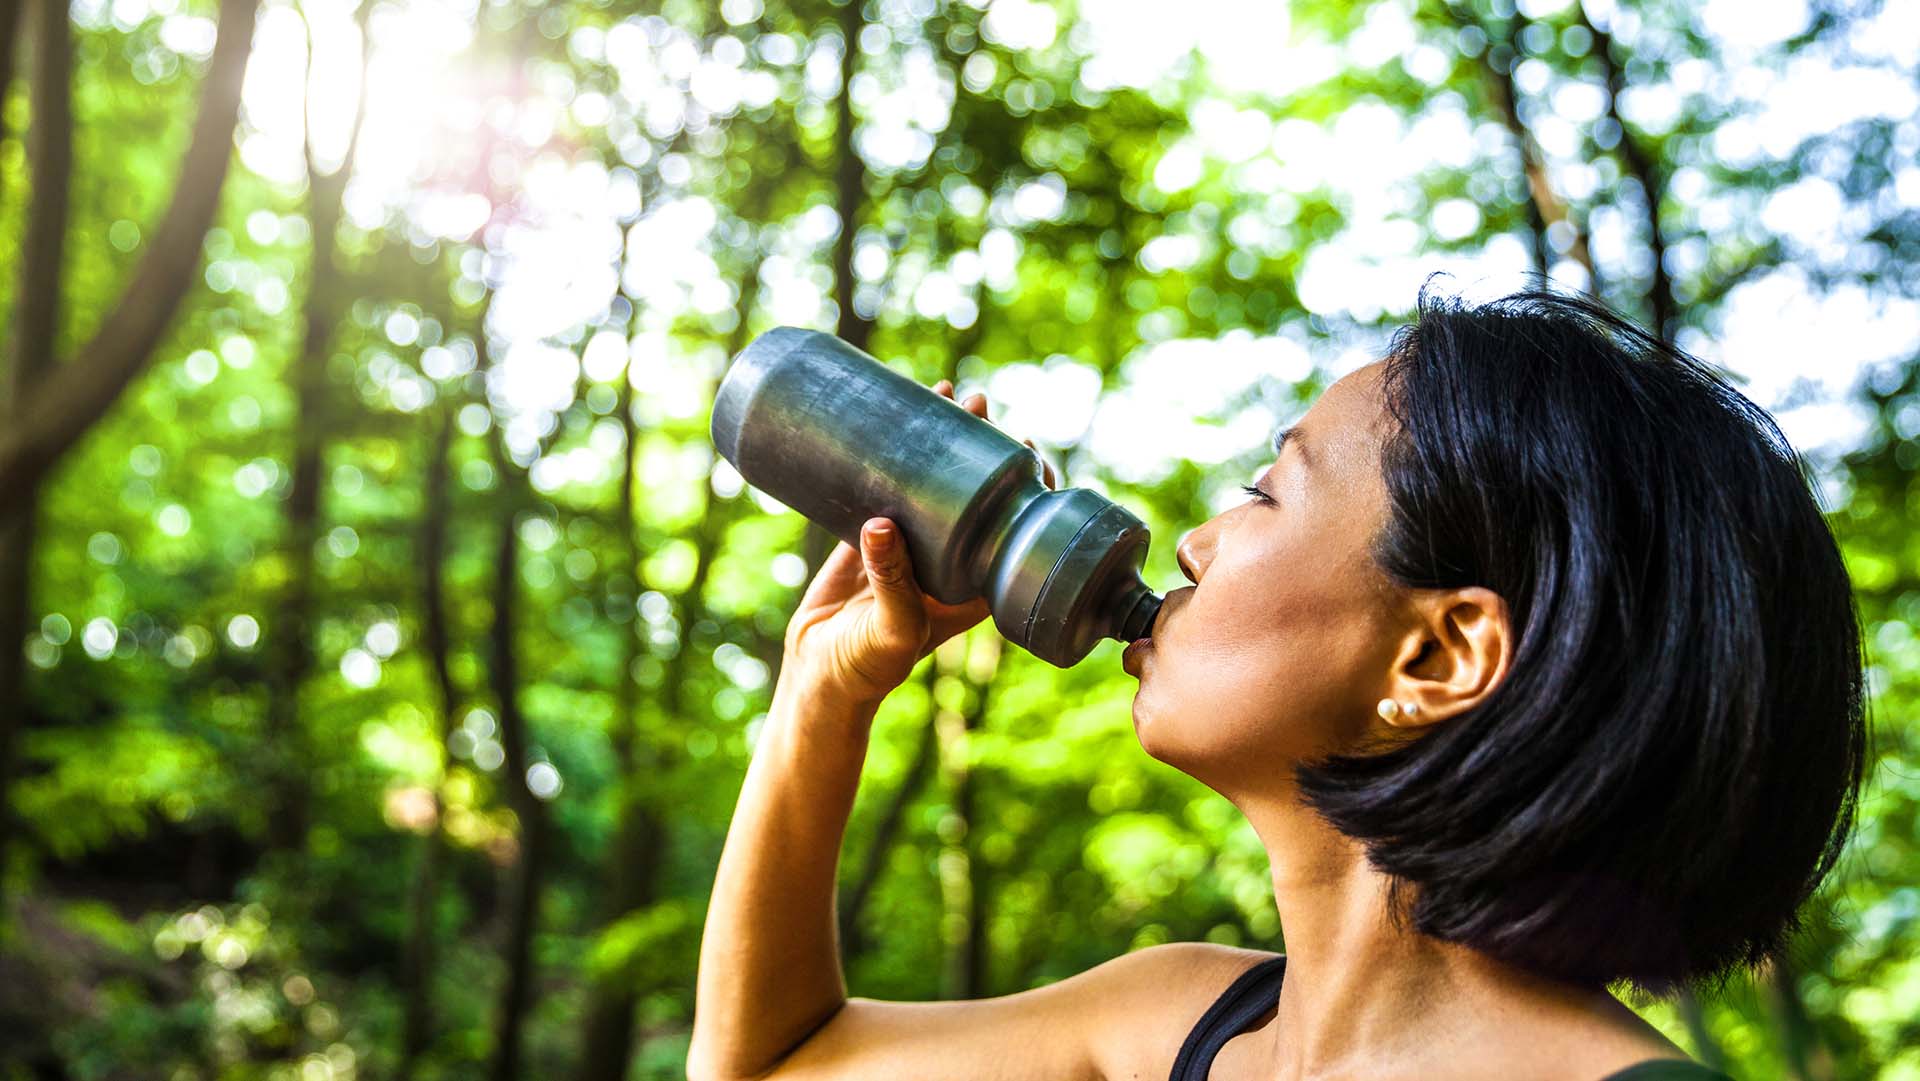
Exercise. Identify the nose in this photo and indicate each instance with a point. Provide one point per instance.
(1194, 552)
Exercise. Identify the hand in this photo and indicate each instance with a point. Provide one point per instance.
(864, 623)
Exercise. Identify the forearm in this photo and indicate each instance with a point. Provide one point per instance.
(770, 955)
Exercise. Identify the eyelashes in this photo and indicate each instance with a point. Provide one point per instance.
(1255, 493)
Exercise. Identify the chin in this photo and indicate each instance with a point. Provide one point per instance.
(1152, 733)
(1140, 723)
(1211, 746)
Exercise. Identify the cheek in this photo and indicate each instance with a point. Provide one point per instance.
(1259, 678)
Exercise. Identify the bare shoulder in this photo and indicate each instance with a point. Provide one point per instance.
(1152, 998)
(1122, 1019)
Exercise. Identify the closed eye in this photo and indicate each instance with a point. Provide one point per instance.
(1256, 493)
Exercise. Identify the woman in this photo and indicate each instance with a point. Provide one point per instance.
(1530, 660)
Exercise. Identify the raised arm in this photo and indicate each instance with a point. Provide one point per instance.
(772, 1001)
(769, 958)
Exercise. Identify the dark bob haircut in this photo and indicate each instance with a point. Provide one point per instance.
(1672, 763)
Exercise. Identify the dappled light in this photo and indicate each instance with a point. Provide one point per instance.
(392, 639)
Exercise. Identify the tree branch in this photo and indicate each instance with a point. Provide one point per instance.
(60, 411)
(43, 250)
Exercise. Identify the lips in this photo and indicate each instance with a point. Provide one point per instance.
(1132, 658)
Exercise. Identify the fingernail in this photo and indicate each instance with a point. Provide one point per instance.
(882, 536)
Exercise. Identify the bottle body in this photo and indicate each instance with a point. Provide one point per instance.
(840, 437)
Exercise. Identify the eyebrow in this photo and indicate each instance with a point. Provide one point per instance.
(1292, 434)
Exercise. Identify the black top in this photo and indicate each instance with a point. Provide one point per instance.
(1258, 989)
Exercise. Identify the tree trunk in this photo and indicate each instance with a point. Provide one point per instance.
(10, 12)
(640, 837)
(850, 182)
(607, 1045)
(1642, 166)
(1806, 1055)
(61, 410)
(43, 255)
(850, 195)
(417, 978)
(1544, 206)
(503, 674)
(852, 939)
(524, 899)
(1694, 1017)
(289, 762)
(963, 880)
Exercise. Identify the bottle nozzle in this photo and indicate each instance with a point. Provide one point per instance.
(1139, 607)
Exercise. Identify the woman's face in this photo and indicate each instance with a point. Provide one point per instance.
(1280, 649)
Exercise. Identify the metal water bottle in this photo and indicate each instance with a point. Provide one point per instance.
(840, 437)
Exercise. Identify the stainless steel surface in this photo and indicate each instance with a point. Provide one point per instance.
(840, 438)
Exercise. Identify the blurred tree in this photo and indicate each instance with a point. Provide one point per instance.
(11, 12)
(634, 859)
(1545, 208)
(1644, 168)
(34, 343)
(61, 410)
(964, 873)
(288, 636)
(529, 810)
(637, 857)
(51, 403)
(525, 562)
(422, 951)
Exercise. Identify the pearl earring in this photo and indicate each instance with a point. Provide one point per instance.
(1393, 712)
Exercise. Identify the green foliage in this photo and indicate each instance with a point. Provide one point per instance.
(1021, 220)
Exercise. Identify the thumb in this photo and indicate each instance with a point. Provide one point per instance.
(898, 610)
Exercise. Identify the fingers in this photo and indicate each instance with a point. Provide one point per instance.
(898, 608)
(976, 402)
(1046, 467)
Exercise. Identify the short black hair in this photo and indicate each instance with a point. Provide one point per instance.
(1672, 763)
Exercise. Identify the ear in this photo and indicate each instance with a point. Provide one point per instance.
(1457, 653)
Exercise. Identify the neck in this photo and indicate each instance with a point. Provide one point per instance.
(1361, 996)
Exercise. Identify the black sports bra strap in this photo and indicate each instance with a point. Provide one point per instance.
(1249, 996)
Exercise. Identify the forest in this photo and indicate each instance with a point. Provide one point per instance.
(385, 643)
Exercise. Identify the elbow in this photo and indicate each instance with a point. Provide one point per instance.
(708, 1061)
(699, 1071)
(703, 1065)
